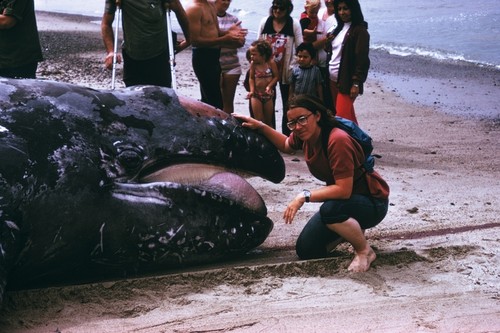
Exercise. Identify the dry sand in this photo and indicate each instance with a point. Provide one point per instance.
(438, 266)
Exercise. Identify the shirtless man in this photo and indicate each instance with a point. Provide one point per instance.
(207, 39)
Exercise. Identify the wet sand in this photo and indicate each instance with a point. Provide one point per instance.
(457, 88)
(438, 266)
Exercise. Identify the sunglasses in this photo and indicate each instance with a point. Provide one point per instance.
(282, 8)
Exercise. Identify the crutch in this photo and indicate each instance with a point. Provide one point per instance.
(113, 75)
(171, 50)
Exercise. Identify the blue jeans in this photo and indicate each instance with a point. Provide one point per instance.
(314, 238)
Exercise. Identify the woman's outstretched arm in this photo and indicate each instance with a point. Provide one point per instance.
(279, 140)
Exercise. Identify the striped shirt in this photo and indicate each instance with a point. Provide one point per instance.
(306, 80)
(228, 57)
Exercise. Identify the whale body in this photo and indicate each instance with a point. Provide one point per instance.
(97, 183)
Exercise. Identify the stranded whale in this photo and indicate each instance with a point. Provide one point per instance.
(117, 183)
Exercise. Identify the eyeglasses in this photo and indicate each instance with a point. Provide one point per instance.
(282, 8)
(302, 121)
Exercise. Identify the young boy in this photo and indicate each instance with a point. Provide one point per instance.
(305, 77)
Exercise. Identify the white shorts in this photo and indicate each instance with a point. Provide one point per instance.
(233, 71)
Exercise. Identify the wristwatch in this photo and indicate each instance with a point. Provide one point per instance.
(307, 195)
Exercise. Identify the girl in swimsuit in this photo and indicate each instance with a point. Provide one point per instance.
(263, 79)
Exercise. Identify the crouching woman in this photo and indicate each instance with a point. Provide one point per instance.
(353, 200)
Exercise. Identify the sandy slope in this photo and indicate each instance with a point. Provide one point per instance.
(438, 268)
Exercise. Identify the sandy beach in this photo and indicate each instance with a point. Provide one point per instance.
(437, 127)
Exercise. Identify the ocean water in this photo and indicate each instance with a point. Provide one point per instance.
(440, 29)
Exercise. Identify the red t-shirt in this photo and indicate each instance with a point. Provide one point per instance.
(308, 23)
(345, 156)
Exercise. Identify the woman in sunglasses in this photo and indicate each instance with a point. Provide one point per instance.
(353, 200)
(284, 34)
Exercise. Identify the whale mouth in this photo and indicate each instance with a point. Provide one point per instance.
(213, 179)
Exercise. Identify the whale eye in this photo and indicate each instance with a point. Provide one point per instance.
(130, 160)
(130, 156)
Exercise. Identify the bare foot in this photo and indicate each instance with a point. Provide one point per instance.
(362, 261)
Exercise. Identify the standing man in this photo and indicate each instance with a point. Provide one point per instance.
(20, 49)
(145, 47)
(207, 39)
